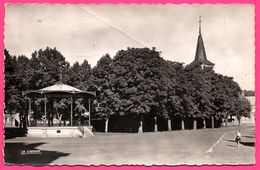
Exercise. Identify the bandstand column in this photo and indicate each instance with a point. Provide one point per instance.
(89, 108)
(71, 111)
(45, 109)
(29, 112)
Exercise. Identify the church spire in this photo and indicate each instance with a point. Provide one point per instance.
(200, 55)
(200, 25)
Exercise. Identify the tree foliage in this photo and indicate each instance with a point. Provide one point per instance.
(135, 82)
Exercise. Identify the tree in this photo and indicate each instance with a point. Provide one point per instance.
(138, 83)
(243, 108)
(46, 67)
(15, 82)
(79, 75)
(106, 103)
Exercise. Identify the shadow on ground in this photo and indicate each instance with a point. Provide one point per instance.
(13, 132)
(252, 144)
(18, 153)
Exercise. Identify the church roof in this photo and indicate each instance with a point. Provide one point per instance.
(200, 55)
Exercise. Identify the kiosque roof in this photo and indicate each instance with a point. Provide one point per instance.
(60, 87)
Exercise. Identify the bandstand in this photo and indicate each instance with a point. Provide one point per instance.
(70, 128)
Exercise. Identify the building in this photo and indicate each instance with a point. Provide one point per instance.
(11, 120)
(200, 55)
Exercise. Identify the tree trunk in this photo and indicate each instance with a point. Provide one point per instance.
(194, 124)
(169, 124)
(222, 122)
(231, 122)
(140, 130)
(182, 125)
(106, 125)
(204, 123)
(155, 124)
(212, 122)
(226, 121)
(51, 119)
(238, 120)
(20, 118)
(48, 122)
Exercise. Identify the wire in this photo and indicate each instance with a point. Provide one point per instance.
(114, 26)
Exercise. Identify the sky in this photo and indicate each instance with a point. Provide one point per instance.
(90, 31)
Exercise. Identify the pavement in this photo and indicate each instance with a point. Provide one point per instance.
(188, 147)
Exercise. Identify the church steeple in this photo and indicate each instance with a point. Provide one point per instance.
(200, 25)
(200, 55)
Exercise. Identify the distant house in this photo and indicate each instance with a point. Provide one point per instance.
(11, 120)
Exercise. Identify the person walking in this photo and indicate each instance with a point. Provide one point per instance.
(238, 137)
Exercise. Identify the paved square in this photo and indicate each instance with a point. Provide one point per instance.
(205, 146)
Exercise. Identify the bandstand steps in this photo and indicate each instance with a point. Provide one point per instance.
(86, 131)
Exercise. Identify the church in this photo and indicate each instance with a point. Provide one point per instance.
(200, 55)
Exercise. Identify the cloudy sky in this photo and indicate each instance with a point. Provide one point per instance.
(89, 31)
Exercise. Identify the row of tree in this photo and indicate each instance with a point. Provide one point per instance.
(136, 83)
